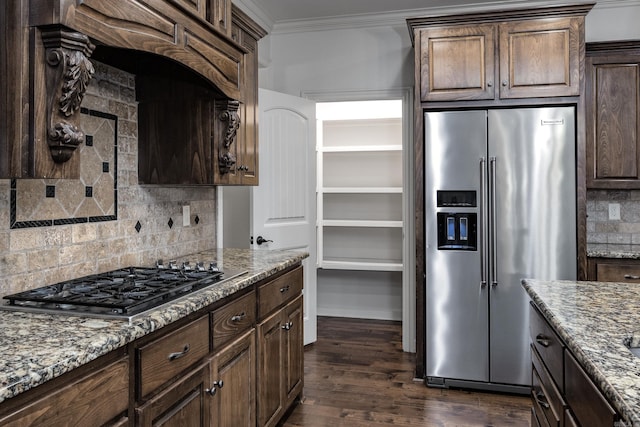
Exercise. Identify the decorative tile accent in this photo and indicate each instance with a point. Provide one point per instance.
(197, 219)
(170, 223)
(91, 198)
(138, 226)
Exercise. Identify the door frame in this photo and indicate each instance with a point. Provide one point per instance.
(408, 202)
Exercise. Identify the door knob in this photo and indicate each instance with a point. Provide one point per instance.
(260, 240)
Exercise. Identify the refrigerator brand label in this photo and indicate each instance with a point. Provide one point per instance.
(552, 122)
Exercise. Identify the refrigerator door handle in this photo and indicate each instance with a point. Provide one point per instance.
(492, 225)
(484, 222)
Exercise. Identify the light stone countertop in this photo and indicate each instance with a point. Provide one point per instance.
(39, 347)
(593, 319)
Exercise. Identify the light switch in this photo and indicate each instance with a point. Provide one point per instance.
(614, 211)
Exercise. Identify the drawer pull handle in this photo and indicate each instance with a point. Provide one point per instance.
(543, 341)
(631, 276)
(179, 354)
(284, 289)
(238, 317)
(542, 400)
(287, 326)
(214, 387)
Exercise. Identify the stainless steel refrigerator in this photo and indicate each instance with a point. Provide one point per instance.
(500, 205)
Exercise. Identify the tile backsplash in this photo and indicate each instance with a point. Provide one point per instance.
(132, 224)
(602, 230)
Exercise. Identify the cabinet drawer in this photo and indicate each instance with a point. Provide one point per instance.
(279, 291)
(618, 272)
(171, 354)
(546, 397)
(547, 344)
(93, 400)
(587, 403)
(233, 318)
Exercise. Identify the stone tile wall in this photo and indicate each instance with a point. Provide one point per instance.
(35, 256)
(602, 230)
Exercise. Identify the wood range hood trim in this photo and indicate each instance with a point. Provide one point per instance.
(63, 34)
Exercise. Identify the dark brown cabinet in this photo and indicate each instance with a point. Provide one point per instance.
(512, 59)
(562, 394)
(280, 346)
(99, 397)
(614, 270)
(195, 61)
(613, 115)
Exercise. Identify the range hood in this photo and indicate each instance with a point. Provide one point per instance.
(60, 36)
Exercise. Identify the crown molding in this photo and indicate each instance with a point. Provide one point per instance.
(398, 18)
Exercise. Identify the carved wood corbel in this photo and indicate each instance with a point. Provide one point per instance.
(228, 116)
(67, 76)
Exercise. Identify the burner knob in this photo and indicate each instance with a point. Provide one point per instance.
(172, 265)
(186, 265)
(213, 267)
(160, 263)
(200, 266)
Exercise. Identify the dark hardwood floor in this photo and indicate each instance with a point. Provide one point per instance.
(357, 375)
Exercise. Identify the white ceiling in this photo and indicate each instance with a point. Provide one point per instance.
(303, 15)
(286, 10)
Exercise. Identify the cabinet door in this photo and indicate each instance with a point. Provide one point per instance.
(185, 403)
(270, 362)
(219, 14)
(613, 114)
(294, 349)
(540, 58)
(234, 368)
(457, 63)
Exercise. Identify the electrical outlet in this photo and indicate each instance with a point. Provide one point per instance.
(614, 211)
(186, 216)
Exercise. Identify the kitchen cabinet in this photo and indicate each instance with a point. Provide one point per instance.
(562, 393)
(613, 115)
(233, 375)
(244, 152)
(97, 396)
(184, 403)
(614, 270)
(46, 56)
(535, 59)
(280, 346)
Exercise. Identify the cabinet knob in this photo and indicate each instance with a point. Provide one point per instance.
(505, 83)
(287, 326)
(489, 84)
(214, 387)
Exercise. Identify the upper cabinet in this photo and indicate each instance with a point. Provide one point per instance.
(203, 48)
(503, 55)
(613, 115)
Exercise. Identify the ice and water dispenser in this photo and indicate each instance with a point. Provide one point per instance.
(457, 228)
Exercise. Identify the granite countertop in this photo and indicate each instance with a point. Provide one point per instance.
(610, 250)
(39, 347)
(593, 319)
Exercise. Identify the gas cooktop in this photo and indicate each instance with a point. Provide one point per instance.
(120, 294)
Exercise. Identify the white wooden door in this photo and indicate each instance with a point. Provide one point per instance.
(283, 205)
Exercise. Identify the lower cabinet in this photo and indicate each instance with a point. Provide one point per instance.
(98, 398)
(184, 403)
(280, 349)
(562, 394)
(232, 384)
(614, 270)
